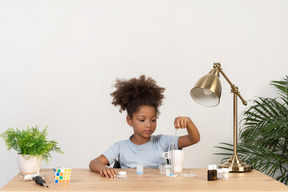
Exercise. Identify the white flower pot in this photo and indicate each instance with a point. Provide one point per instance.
(29, 164)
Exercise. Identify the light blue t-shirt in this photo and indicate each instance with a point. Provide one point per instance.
(149, 154)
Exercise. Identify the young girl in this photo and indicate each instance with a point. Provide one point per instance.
(141, 99)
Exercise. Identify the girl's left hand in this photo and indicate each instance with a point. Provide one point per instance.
(182, 122)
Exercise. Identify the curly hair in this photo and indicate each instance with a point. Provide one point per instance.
(133, 93)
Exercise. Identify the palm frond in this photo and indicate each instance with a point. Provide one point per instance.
(264, 135)
(282, 87)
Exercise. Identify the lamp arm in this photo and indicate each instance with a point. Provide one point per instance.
(234, 89)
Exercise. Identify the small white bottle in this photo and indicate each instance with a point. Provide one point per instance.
(226, 173)
(219, 173)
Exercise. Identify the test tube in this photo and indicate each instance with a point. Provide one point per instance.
(172, 146)
(171, 160)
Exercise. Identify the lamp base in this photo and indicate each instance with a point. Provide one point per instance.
(236, 165)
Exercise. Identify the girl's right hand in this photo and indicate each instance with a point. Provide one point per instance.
(108, 172)
(99, 165)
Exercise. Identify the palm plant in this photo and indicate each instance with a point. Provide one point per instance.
(264, 135)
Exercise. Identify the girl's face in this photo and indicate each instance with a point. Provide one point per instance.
(143, 122)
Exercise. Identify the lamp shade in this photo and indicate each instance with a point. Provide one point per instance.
(207, 90)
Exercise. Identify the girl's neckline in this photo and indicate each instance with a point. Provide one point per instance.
(130, 139)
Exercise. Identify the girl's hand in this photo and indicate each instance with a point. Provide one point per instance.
(193, 135)
(108, 172)
(99, 165)
(182, 122)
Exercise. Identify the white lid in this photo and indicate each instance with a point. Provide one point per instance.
(210, 167)
(122, 173)
(214, 166)
(220, 170)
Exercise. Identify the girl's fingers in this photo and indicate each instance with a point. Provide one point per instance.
(103, 173)
(108, 173)
(177, 123)
(181, 122)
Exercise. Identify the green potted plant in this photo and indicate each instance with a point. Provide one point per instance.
(264, 135)
(32, 146)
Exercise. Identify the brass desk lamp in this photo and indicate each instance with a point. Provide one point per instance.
(207, 92)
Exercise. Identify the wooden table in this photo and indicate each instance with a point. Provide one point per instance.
(151, 180)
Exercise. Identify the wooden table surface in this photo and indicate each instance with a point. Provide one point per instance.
(151, 180)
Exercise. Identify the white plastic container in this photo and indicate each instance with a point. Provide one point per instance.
(220, 173)
(225, 173)
(139, 169)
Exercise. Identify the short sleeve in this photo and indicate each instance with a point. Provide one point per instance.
(112, 154)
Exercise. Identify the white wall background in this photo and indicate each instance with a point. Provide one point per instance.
(59, 60)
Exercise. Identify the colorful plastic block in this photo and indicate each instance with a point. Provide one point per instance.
(62, 175)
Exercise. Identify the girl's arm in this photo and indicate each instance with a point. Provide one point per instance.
(99, 165)
(193, 134)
